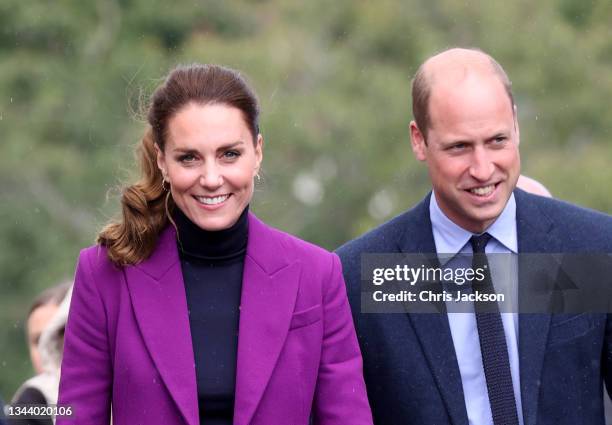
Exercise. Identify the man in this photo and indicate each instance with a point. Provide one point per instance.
(443, 368)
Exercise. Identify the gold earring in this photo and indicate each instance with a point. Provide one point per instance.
(165, 180)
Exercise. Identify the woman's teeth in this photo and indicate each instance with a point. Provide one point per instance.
(211, 201)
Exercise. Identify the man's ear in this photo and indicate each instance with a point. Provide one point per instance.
(418, 142)
(516, 126)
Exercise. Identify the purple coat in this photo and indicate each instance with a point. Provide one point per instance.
(128, 341)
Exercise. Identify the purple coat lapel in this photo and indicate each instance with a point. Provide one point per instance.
(160, 305)
(269, 291)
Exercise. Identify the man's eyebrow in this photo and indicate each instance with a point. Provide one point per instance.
(504, 134)
(458, 140)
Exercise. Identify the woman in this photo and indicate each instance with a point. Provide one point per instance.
(190, 309)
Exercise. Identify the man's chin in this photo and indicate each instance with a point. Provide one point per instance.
(481, 220)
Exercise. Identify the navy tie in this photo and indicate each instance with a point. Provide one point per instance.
(493, 342)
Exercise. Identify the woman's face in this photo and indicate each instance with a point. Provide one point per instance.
(210, 162)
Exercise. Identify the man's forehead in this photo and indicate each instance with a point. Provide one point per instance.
(457, 75)
(475, 102)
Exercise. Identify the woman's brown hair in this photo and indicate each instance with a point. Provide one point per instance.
(145, 205)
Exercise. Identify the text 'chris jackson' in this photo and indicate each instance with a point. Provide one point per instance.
(431, 296)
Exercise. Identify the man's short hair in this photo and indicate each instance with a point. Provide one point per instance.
(421, 91)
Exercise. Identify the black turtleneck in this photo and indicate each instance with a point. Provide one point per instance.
(212, 264)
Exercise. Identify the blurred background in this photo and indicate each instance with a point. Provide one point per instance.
(333, 79)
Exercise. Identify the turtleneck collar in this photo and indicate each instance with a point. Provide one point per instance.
(221, 245)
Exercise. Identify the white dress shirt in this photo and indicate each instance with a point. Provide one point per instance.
(452, 239)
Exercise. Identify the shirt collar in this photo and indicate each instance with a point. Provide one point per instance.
(451, 238)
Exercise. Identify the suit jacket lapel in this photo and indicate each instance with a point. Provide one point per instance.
(536, 234)
(158, 298)
(433, 330)
(269, 291)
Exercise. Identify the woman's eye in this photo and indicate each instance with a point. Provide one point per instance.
(187, 158)
(231, 154)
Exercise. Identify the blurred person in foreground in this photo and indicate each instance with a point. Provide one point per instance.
(532, 186)
(190, 310)
(42, 311)
(2, 417)
(480, 367)
(45, 330)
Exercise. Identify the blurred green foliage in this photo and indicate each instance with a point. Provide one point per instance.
(333, 80)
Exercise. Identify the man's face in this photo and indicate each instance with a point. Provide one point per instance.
(471, 150)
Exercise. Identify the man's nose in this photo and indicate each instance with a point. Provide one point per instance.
(482, 167)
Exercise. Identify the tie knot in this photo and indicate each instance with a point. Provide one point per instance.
(479, 242)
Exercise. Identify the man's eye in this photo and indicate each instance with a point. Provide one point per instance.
(500, 140)
(457, 147)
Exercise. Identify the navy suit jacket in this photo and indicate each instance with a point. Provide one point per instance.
(410, 367)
